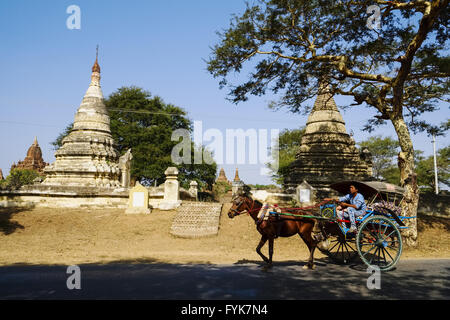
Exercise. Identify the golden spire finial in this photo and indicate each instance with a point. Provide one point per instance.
(236, 176)
(96, 67)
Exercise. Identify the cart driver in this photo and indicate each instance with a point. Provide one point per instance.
(351, 206)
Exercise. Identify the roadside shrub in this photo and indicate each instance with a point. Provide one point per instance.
(20, 177)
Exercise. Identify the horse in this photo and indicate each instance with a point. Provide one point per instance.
(274, 227)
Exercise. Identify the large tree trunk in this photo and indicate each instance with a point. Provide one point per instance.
(408, 180)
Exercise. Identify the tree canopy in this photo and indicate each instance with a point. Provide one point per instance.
(19, 177)
(425, 170)
(383, 151)
(292, 45)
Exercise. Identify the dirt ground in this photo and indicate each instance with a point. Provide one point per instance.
(76, 236)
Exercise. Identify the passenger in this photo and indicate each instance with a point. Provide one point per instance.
(351, 206)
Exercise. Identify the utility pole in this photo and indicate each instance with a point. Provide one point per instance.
(435, 166)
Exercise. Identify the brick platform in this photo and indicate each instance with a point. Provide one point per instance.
(196, 219)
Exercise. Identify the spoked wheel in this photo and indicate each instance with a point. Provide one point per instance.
(379, 243)
(340, 249)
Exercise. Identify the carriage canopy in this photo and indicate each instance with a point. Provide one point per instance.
(368, 188)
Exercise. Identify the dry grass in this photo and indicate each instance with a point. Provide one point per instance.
(74, 236)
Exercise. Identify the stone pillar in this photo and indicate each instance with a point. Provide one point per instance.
(193, 189)
(125, 168)
(171, 190)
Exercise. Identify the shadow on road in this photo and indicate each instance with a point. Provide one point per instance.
(153, 279)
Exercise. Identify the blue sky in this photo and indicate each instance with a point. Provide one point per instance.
(157, 45)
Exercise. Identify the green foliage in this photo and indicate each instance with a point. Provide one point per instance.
(144, 124)
(220, 188)
(289, 143)
(263, 186)
(391, 173)
(425, 170)
(203, 173)
(292, 45)
(19, 177)
(383, 151)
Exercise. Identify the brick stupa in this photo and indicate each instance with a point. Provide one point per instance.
(87, 156)
(33, 160)
(327, 154)
(222, 177)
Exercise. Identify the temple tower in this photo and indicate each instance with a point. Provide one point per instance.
(33, 160)
(87, 156)
(222, 177)
(327, 153)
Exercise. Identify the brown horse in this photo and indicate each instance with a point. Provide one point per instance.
(270, 229)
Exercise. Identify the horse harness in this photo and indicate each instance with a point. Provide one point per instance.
(318, 232)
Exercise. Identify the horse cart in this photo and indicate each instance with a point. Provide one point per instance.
(377, 241)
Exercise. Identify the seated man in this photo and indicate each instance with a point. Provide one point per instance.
(350, 206)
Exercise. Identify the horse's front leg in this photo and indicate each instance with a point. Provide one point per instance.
(271, 240)
(258, 248)
(311, 257)
(311, 243)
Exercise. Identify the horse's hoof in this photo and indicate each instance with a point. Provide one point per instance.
(267, 267)
(307, 267)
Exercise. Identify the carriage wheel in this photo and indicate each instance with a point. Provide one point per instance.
(340, 249)
(379, 243)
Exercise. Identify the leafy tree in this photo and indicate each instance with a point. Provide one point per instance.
(204, 173)
(425, 170)
(294, 47)
(145, 124)
(391, 173)
(263, 186)
(220, 189)
(383, 151)
(19, 177)
(288, 145)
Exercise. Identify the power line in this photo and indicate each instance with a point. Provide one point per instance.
(159, 113)
(30, 124)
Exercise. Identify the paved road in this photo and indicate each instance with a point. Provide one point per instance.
(413, 279)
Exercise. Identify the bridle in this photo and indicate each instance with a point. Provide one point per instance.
(236, 211)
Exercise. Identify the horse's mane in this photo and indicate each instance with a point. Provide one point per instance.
(258, 202)
(247, 194)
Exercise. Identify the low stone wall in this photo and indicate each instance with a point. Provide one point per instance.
(432, 204)
(39, 195)
(67, 197)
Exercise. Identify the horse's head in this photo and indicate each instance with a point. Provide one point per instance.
(238, 206)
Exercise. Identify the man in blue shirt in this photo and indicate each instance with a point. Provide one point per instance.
(350, 206)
